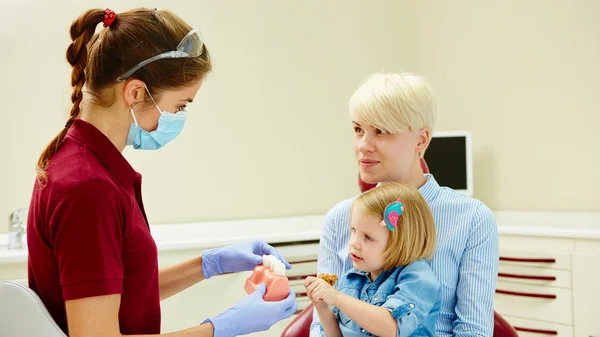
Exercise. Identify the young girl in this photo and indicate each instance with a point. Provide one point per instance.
(391, 290)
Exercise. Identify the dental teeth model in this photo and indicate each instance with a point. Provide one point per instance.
(272, 273)
(274, 264)
(268, 259)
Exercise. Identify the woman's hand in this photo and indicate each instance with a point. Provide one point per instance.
(319, 291)
(234, 258)
(253, 314)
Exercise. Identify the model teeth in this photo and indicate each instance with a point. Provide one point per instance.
(268, 260)
(279, 268)
(274, 264)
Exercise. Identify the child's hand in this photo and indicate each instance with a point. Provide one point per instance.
(320, 291)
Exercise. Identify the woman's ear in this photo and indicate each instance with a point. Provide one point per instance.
(423, 139)
(134, 91)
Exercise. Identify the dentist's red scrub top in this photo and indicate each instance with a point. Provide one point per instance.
(88, 235)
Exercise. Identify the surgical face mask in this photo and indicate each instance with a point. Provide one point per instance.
(169, 127)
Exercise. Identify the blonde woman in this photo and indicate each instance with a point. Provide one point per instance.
(392, 233)
(393, 116)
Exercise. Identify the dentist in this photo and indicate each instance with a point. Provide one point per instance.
(92, 258)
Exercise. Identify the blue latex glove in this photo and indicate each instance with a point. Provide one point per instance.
(253, 314)
(240, 257)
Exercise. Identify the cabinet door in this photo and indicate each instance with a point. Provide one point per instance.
(586, 293)
(12, 271)
(535, 328)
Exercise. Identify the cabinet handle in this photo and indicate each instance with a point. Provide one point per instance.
(528, 277)
(527, 260)
(541, 332)
(516, 293)
(303, 261)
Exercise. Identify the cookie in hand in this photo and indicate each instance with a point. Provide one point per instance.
(329, 278)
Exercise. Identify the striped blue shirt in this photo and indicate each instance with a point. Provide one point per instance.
(465, 261)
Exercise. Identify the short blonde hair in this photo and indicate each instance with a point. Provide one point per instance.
(415, 236)
(394, 102)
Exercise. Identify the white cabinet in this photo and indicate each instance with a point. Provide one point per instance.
(549, 286)
(536, 328)
(586, 293)
(14, 272)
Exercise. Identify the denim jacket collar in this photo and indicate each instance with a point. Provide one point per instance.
(353, 272)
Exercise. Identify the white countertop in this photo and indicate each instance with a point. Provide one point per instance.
(203, 235)
(575, 225)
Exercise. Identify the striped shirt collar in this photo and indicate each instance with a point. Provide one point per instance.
(430, 189)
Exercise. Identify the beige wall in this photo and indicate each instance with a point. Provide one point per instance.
(269, 135)
(524, 77)
(269, 132)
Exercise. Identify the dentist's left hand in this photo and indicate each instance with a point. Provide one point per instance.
(238, 257)
(253, 314)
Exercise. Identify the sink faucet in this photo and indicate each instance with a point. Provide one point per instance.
(16, 229)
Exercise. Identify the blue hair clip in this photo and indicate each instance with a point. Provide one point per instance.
(392, 213)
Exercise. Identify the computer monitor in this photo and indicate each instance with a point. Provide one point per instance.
(449, 159)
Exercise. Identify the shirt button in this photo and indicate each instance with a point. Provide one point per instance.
(363, 330)
(411, 305)
(375, 299)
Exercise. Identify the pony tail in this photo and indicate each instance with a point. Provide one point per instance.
(82, 30)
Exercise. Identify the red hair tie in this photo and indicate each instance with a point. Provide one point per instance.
(109, 17)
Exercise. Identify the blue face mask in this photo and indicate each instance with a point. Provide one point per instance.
(169, 127)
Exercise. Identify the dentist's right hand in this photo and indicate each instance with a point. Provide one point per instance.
(253, 314)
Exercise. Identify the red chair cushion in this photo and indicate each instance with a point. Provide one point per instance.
(424, 166)
(502, 328)
(300, 326)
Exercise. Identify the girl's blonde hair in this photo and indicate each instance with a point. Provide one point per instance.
(394, 103)
(415, 236)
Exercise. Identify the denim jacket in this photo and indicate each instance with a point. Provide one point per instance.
(411, 293)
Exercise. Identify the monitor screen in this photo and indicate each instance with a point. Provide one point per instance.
(449, 160)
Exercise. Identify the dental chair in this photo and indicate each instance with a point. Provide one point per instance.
(22, 313)
(300, 326)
